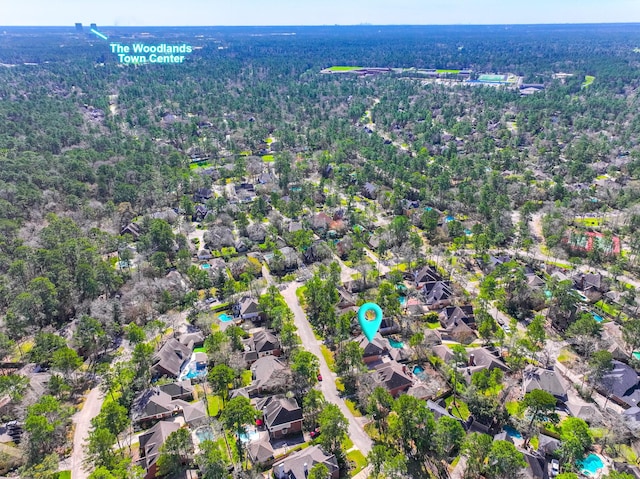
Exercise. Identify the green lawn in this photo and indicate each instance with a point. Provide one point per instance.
(328, 357)
(453, 72)
(588, 80)
(247, 377)
(268, 158)
(462, 411)
(214, 404)
(512, 408)
(347, 443)
(608, 308)
(63, 475)
(200, 350)
(353, 408)
(339, 385)
(343, 69)
(358, 460)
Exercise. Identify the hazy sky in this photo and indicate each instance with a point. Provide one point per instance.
(313, 12)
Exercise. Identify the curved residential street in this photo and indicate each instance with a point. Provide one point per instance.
(356, 432)
(82, 422)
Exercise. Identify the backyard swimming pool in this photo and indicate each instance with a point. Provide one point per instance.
(512, 432)
(591, 465)
(418, 371)
(205, 266)
(396, 344)
(225, 318)
(204, 434)
(597, 317)
(251, 435)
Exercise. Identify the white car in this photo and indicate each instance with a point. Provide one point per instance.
(555, 467)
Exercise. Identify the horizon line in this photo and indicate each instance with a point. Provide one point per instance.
(72, 25)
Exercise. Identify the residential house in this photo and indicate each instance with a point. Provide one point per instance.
(295, 226)
(260, 452)
(320, 222)
(584, 410)
(394, 377)
(548, 445)
(549, 380)
(178, 390)
(480, 359)
(452, 315)
(372, 350)
(438, 410)
(192, 340)
(591, 285)
(621, 384)
(268, 374)
(131, 229)
(437, 294)
(161, 402)
(443, 352)
(204, 255)
(534, 281)
(632, 417)
(281, 415)
(195, 414)
(153, 404)
(247, 308)
(202, 195)
(170, 358)
(298, 464)
(261, 343)
(536, 467)
(150, 443)
(200, 213)
(369, 190)
(427, 274)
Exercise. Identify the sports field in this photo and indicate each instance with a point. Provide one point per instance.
(343, 69)
(492, 78)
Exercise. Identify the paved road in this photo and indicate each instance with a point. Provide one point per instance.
(356, 432)
(82, 421)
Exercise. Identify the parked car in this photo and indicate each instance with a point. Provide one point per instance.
(315, 433)
(555, 467)
(319, 377)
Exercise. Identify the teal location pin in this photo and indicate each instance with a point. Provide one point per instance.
(370, 319)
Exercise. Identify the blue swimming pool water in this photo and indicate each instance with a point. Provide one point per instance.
(449, 218)
(512, 432)
(591, 464)
(418, 370)
(225, 318)
(402, 299)
(195, 373)
(251, 435)
(204, 434)
(468, 232)
(205, 266)
(597, 317)
(636, 354)
(396, 344)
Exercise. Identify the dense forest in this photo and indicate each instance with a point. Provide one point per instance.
(114, 179)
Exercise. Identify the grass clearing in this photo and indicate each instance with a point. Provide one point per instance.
(358, 461)
(214, 404)
(347, 443)
(566, 356)
(328, 357)
(513, 408)
(300, 295)
(461, 410)
(444, 72)
(353, 408)
(246, 377)
(588, 80)
(341, 68)
(63, 475)
(339, 385)
(268, 158)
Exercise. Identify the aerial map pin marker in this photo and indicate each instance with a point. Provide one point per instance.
(370, 319)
